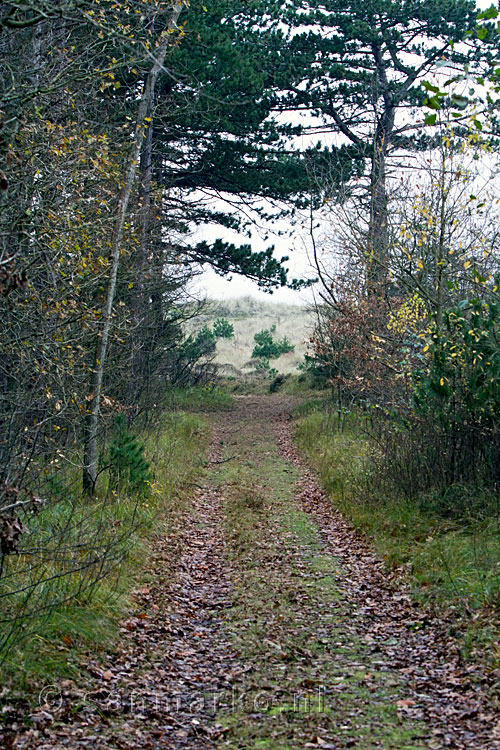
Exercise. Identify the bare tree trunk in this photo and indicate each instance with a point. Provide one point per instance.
(439, 247)
(139, 337)
(91, 451)
(378, 232)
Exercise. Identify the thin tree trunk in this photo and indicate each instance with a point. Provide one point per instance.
(141, 334)
(439, 252)
(378, 232)
(91, 451)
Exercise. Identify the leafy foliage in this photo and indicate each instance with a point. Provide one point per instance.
(264, 368)
(267, 348)
(201, 345)
(459, 389)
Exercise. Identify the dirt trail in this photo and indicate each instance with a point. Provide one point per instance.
(277, 629)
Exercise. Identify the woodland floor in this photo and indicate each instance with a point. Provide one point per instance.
(266, 622)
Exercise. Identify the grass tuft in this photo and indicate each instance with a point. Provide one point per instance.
(198, 398)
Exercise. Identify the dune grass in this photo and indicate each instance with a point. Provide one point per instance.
(248, 317)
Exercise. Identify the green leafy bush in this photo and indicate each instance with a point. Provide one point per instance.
(264, 368)
(447, 433)
(201, 345)
(316, 369)
(458, 391)
(267, 348)
(277, 383)
(461, 383)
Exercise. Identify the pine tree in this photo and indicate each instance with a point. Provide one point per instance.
(364, 61)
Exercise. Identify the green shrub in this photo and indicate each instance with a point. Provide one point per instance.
(201, 345)
(277, 383)
(223, 329)
(318, 371)
(68, 587)
(457, 398)
(264, 368)
(127, 464)
(267, 348)
(446, 540)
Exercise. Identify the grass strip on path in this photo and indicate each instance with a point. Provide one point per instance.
(311, 680)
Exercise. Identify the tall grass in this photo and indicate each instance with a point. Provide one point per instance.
(452, 559)
(198, 398)
(67, 588)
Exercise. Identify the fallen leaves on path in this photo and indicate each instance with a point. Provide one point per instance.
(173, 667)
(197, 635)
(454, 698)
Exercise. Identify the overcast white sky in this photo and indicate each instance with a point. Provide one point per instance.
(293, 244)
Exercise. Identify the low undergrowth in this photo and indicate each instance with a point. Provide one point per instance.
(198, 398)
(450, 550)
(67, 589)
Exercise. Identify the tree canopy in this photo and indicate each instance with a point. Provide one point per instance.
(358, 67)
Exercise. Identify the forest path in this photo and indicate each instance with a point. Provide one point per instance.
(278, 629)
